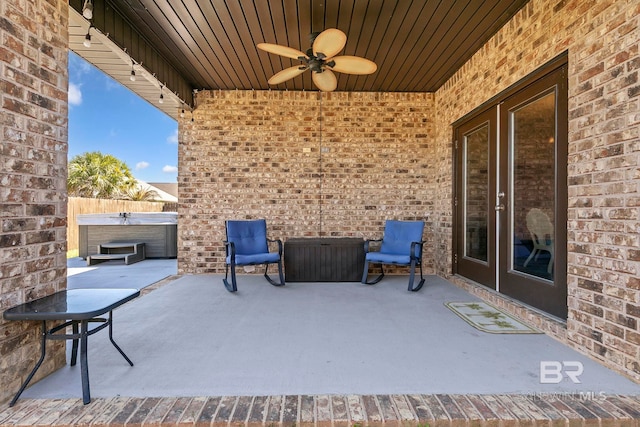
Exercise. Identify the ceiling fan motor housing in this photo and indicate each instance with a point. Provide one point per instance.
(316, 62)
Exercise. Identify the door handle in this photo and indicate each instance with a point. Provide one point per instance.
(500, 207)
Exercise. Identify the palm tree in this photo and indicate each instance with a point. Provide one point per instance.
(140, 194)
(99, 176)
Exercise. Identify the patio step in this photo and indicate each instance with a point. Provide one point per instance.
(331, 411)
(130, 252)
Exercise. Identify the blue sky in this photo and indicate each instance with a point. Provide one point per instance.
(107, 117)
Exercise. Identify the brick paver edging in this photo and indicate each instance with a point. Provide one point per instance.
(331, 410)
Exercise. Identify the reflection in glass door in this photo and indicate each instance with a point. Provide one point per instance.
(475, 149)
(533, 200)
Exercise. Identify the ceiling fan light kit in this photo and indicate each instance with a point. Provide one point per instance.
(321, 60)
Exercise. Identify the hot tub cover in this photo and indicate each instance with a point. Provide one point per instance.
(131, 218)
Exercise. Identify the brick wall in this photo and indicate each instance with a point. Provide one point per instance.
(602, 39)
(312, 164)
(33, 123)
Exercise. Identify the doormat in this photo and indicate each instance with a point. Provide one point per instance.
(489, 319)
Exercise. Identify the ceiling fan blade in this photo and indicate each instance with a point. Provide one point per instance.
(286, 74)
(285, 51)
(353, 65)
(326, 81)
(329, 43)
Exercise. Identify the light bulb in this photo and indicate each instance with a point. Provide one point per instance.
(161, 100)
(132, 77)
(87, 9)
(87, 40)
(182, 114)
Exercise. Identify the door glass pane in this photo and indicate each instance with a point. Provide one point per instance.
(533, 165)
(476, 195)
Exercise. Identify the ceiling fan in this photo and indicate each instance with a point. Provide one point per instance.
(321, 60)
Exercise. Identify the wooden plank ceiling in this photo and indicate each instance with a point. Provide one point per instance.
(417, 44)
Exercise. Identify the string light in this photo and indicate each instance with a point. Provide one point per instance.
(87, 38)
(87, 12)
(132, 77)
(87, 9)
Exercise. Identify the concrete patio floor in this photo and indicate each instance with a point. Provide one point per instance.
(191, 338)
(116, 274)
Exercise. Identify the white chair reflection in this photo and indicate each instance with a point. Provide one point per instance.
(541, 230)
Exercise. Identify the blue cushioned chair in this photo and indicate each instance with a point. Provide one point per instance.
(247, 244)
(401, 245)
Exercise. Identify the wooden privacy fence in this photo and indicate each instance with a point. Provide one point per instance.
(80, 205)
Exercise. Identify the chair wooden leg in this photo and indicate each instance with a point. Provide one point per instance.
(270, 280)
(231, 287)
(412, 276)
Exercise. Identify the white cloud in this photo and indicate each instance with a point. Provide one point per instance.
(75, 94)
(78, 67)
(173, 138)
(142, 165)
(170, 169)
(84, 67)
(110, 83)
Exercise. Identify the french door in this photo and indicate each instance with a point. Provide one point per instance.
(476, 150)
(511, 194)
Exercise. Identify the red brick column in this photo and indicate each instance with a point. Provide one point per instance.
(33, 200)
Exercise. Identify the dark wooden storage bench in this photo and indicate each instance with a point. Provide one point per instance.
(324, 259)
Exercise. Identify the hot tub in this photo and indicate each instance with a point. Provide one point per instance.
(157, 230)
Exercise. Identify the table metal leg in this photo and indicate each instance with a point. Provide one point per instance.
(113, 342)
(83, 336)
(74, 346)
(84, 367)
(43, 350)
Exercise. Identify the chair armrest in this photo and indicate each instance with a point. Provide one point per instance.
(413, 249)
(368, 241)
(230, 249)
(279, 242)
